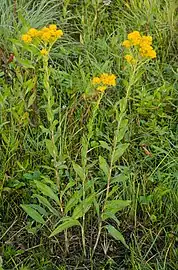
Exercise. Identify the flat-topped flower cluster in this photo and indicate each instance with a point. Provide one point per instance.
(142, 43)
(104, 81)
(47, 34)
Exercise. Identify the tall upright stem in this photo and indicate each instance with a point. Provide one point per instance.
(50, 117)
(84, 161)
(122, 114)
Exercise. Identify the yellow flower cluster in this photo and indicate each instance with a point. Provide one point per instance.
(44, 52)
(104, 81)
(134, 38)
(26, 38)
(144, 44)
(146, 50)
(129, 58)
(46, 34)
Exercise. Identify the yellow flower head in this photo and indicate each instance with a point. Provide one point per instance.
(44, 52)
(32, 32)
(134, 38)
(104, 81)
(129, 58)
(126, 43)
(108, 79)
(143, 44)
(45, 29)
(26, 38)
(39, 33)
(50, 34)
(101, 88)
(59, 33)
(96, 80)
(46, 35)
(151, 54)
(147, 51)
(146, 40)
(53, 27)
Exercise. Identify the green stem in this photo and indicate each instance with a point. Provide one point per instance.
(91, 121)
(83, 240)
(66, 241)
(55, 162)
(83, 218)
(122, 114)
(49, 97)
(90, 134)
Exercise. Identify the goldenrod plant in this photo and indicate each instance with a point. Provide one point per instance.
(88, 134)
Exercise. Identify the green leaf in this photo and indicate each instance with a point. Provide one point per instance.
(109, 215)
(97, 207)
(119, 178)
(114, 189)
(31, 99)
(3, 124)
(84, 151)
(73, 201)
(68, 186)
(79, 170)
(32, 213)
(105, 145)
(28, 176)
(47, 191)
(116, 235)
(17, 43)
(29, 85)
(104, 165)
(114, 206)
(51, 148)
(46, 203)
(44, 130)
(83, 207)
(47, 181)
(122, 130)
(65, 225)
(123, 105)
(40, 209)
(1, 263)
(25, 63)
(121, 148)
(54, 124)
(50, 113)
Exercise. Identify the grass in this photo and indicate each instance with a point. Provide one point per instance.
(66, 170)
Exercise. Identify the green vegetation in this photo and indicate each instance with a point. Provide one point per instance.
(88, 135)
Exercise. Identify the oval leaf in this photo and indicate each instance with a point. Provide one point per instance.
(79, 170)
(51, 148)
(116, 205)
(121, 148)
(104, 165)
(122, 130)
(73, 201)
(83, 207)
(46, 203)
(33, 213)
(40, 209)
(32, 99)
(105, 145)
(46, 190)
(116, 234)
(67, 224)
